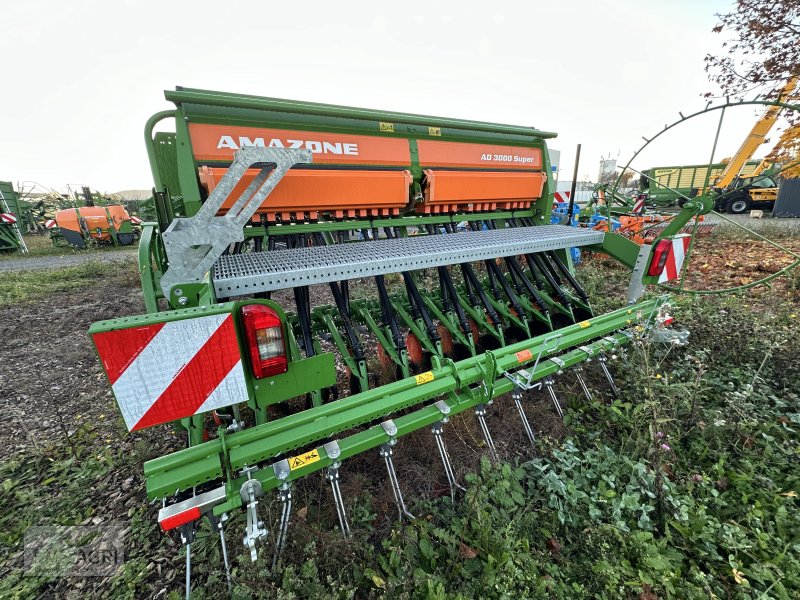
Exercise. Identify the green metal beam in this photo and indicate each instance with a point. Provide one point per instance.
(183, 96)
(263, 442)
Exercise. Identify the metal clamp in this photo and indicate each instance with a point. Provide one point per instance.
(332, 450)
(281, 469)
(390, 429)
(444, 408)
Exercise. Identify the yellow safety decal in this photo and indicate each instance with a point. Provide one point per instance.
(523, 355)
(389, 127)
(584, 324)
(435, 131)
(426, 377)
(301, 460)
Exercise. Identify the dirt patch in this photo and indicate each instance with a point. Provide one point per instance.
(723, 264)
(53, 397)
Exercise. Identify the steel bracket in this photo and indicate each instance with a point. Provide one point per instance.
(636, 285)
(194, 244)
(523, 378)
(332, 450)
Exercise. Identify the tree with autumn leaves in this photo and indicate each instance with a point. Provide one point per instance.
(761, 53)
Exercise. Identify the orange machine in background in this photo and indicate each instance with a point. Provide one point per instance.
(100, 224)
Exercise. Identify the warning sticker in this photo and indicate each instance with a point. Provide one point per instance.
(301, 460)
(523, 355)
(426, 377)
(435, 131)
(387, 127)
(584, 324)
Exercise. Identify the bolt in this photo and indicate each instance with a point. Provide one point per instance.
(183, 301)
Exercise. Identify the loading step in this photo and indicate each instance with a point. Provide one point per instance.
(240, 274)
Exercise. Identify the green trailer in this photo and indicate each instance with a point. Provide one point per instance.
(666, 186)
(259, 200)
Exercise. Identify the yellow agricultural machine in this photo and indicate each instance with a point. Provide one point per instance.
(465, 292)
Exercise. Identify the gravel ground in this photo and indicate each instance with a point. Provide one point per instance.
(21, 262)
(767, 222)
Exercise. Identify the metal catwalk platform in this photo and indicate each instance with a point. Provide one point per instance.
(236, 275)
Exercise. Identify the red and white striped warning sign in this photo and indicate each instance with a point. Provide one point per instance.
(166, 371)
(136, 220)
(638, 204)
(50, 224)
(561, 196)
(9, 218)
(675, 258)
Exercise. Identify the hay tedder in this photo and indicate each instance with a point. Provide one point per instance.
(445, 289)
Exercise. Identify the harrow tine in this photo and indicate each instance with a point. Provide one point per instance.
(480, 413)
(582, 383)
(602, 359)
(332, 475)
(438, 434)
(549, 384)
(217, 523)
(516, 395)
(187, 533)
(188, 571)
(285, 497)
(386, 453)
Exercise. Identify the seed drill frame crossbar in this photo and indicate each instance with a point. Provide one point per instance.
(455, 382)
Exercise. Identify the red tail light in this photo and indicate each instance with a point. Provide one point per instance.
(660, 256)
(265, 340)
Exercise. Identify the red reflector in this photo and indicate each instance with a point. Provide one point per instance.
(660, 256)
(174, 521)
(265, 340)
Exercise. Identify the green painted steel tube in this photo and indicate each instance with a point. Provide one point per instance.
(150, 144)
(375, 436)
(271, 439)
(146, 272)
(227, 100)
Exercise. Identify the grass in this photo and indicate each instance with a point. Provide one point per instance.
(26, 286)
(41, 245)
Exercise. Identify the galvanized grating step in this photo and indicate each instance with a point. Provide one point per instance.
(236, 275)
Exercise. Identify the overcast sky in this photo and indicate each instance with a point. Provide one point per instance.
(81, 77)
